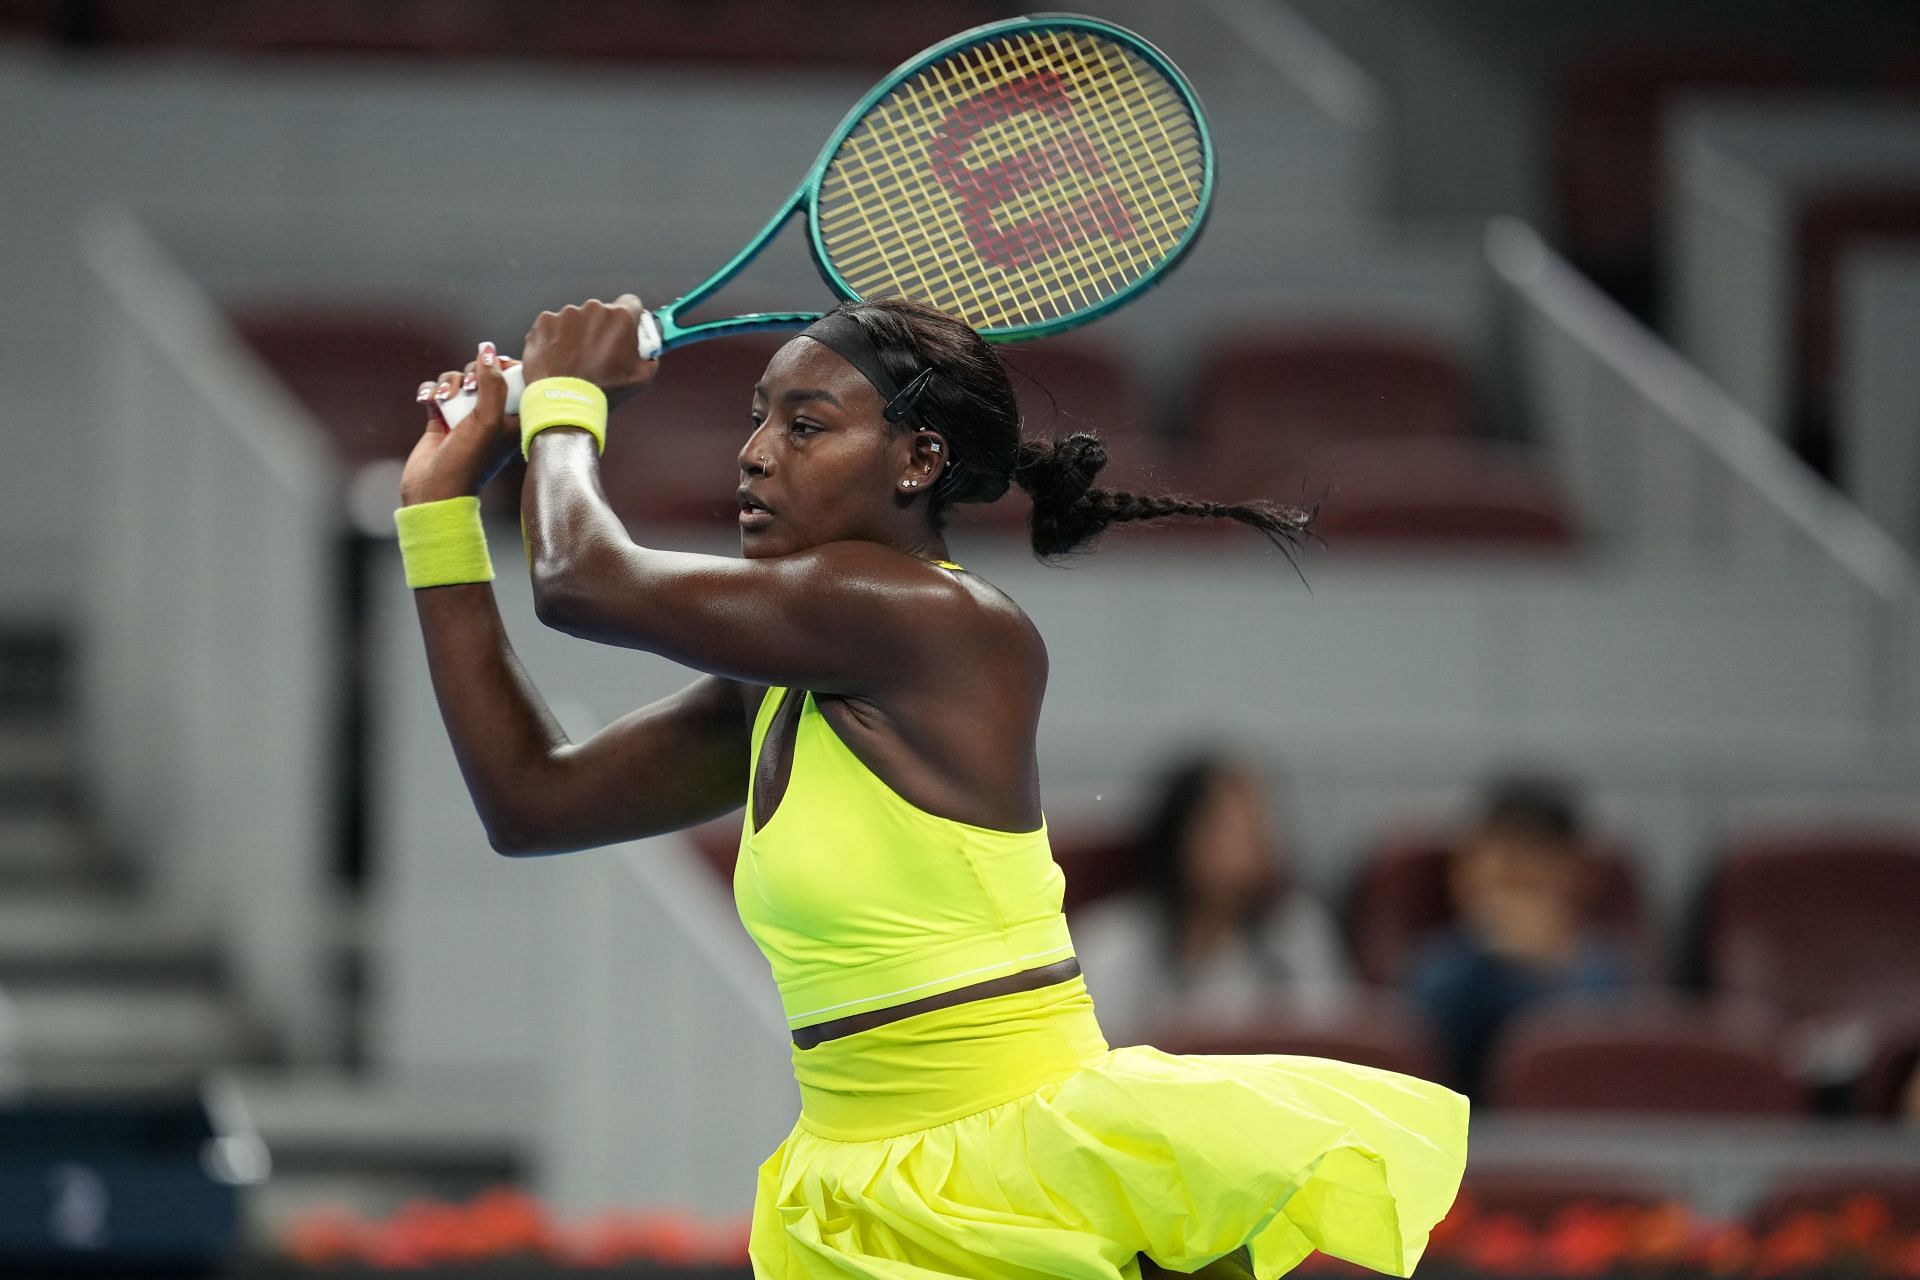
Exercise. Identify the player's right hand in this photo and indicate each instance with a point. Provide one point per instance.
(595, 340)
(453, 464)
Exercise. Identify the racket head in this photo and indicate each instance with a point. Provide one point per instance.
(1028, 176)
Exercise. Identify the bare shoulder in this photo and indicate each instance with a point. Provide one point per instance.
(955, 604)
(1006, 622)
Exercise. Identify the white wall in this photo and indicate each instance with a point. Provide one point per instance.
(1737, 172)
(212, 645)
(1661, 460)
(1878, 409)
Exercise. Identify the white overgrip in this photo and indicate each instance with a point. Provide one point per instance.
(455, 409)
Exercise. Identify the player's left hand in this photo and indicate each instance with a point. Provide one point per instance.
(455, 463)
(595, 340)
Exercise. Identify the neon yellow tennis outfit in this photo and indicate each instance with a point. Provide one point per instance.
(1002, 1137)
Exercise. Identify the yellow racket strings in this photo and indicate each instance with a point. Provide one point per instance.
(1016, 181)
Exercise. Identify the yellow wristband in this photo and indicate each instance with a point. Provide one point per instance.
(442, 543)
(562, 402)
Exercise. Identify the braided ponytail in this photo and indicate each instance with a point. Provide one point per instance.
(1068, 512)
(971, 402)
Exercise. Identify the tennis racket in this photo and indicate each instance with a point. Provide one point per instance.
(1027, 176)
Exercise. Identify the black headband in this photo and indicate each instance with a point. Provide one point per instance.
(847, 338)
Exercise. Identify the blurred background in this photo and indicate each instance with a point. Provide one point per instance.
(1582, 771)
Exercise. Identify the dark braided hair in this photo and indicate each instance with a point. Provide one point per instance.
(970, 401)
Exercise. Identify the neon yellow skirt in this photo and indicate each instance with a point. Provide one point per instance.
(1004, 1138)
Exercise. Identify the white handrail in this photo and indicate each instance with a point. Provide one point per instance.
(1322, 72)
(1702, 415)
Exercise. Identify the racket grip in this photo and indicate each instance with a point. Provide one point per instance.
(455, 409)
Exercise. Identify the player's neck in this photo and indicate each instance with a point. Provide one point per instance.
(929, 546)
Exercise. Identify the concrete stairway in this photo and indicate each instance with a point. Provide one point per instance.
(100, 988)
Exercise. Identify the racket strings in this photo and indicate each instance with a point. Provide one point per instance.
(1017, 181)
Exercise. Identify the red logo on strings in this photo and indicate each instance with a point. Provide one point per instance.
(981, 191)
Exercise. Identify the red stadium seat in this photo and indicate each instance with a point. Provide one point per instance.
(356, 371)
(1882, 1087)
(1261, 403)
(1900, 73)
(1071, 384)
(828, 32)
(1096, 864)
(1066, 385)
(1830, 223)
(1372, 1028)
(1895, 1190)
(1539, 1196)
(1403, 895)
(1816, 922)
(359, 27)
(1612, 100)
(681, 458)
(119, 22)
(1433, 493)
(1649, 1053)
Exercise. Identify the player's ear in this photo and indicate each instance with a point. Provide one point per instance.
(926, 461)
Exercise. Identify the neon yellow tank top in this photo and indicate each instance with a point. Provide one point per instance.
(860, 900)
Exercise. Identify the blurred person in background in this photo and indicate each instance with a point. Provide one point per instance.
(1520, 880)
(1221, 925)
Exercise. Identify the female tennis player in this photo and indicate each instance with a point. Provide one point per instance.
(873, 706)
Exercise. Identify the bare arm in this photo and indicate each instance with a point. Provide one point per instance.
(672, 764)
(842, 618)
(668, 765)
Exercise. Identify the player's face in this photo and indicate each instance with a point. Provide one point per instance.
(819, 466)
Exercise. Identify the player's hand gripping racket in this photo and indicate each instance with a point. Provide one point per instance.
(1026, 176)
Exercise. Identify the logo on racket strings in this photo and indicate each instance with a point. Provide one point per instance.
(982, 191)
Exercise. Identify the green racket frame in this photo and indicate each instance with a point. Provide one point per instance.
(661, 331)
(674, 334)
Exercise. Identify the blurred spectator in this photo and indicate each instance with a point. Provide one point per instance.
(1221, 928)
(1519, 880)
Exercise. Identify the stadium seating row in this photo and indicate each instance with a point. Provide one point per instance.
(1802, 933)
(1804, 944)
(1377, 428)
(752, 32)
(1653, 1052)
(1542, 1197)
(1611, 106)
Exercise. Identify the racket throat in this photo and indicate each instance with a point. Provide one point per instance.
(673, 333)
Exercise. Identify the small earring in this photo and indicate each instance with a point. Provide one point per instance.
(911, 483)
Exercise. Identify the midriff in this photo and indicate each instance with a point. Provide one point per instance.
(1025, 980)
